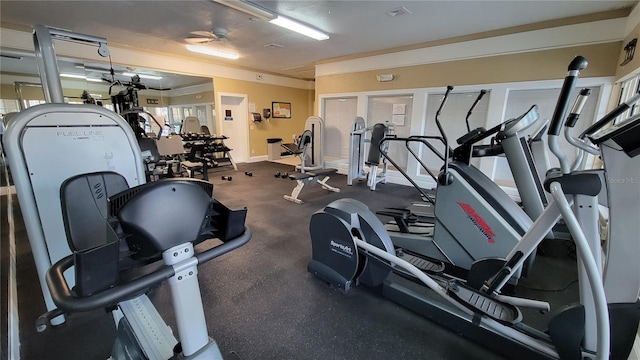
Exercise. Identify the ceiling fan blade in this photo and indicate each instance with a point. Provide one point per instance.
(202, 33)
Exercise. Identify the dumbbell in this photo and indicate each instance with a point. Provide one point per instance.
(229, 178)
(277, 174)
(248, 173)
(284, 175)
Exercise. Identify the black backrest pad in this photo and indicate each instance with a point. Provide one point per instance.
(165, 214)
(305, 139)
(84, 207)
(378, 132)
(495, 196)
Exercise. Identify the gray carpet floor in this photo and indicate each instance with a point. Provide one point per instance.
(260, 301)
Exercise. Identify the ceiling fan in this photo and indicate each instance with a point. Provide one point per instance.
(201, 37)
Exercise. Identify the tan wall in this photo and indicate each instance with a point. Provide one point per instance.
(540, 65)
(262, 95)
(634, 65)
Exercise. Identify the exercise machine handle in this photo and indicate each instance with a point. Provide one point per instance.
(577, 64)
(482, 92)
(577, 108)
(65, 299)
(444, 179)
(612, 115)
(444, 100)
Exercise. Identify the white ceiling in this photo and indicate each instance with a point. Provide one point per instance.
(354, 26)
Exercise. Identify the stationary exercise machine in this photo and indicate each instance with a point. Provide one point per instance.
(313, 157)
(508, 138)
(99, 142)
(319, 176)
(109, 252)
(351, 247)
(474, 218)
(364, 152)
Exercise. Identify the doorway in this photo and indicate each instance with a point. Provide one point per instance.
(233, 119)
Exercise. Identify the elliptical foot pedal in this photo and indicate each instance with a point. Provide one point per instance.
(427, 265)
(482, 303)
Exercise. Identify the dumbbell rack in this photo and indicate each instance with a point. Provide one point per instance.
(211, 148)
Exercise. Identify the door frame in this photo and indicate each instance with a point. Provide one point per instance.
(242, 118)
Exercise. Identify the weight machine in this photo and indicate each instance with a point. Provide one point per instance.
(361, 147)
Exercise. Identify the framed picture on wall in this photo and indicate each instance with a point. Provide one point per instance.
(280, 110)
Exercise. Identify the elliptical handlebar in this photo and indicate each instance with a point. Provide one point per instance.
(444, 180)
(612, 115)
(577, 64)
(444, 100)
(577, 108)
(573, 117)
(482, 92)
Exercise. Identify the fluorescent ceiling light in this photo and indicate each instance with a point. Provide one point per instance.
(80, 77)
(248, 8)
(213, 52)
(299, 28)
(74, 76)
(87, 68)
(143, 76)
(259, 12)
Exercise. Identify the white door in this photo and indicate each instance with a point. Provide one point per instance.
(233, 119)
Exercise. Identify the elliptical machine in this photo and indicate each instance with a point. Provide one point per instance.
(474, 219)
(350, 247)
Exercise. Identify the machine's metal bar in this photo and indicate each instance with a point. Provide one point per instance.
(433, 285)
(46, 57)
(47, 65)
(591, 269)
(152, 334)
(187, 300)
(13, 323)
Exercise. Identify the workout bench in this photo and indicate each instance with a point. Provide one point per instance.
(300, 178)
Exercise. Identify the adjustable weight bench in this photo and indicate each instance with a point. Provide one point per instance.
(300, 178)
